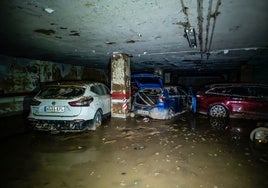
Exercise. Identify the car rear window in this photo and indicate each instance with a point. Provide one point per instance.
(246, 91)
(220, 90)
(60, 92)
(260, 92)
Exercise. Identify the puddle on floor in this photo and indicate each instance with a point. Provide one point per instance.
(188, 151)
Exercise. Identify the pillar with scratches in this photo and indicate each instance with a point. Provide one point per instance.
(120, 85)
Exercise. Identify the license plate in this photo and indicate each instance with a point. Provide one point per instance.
(143, 112)
(54, 109)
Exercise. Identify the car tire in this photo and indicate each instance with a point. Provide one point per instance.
(261, 133)
(97, 121)
(218, 111)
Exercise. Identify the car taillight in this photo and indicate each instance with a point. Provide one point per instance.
(161, 99)
(81, 102)
(199, 96)
(35, 102)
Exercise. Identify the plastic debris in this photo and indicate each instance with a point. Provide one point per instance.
(146, 119)
(49, 10)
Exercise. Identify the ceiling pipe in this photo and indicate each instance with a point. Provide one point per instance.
(200, 25)
(208, 24)
(214, 15)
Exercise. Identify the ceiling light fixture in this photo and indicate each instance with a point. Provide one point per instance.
(190, 34)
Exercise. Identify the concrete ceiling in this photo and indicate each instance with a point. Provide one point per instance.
(229, 33)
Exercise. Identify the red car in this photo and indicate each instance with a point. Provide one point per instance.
(239, 100)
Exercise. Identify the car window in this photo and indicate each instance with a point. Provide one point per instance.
(220, 90)
(260, 92)
(60, 92)
(240, 91)
(172, 91)
(106, 90)
(181, 91)
(97, 89)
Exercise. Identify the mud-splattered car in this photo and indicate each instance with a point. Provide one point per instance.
(238, 100)
(156, 101)
(70, 107)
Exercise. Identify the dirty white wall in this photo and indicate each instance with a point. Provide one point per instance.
(20, 77)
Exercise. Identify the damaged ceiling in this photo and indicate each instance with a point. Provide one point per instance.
(229, 33)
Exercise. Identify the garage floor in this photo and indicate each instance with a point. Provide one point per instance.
(189, 151)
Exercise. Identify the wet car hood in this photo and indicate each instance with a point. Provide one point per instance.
(147, 81)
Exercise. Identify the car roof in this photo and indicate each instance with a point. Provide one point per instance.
(72, 83)
(235, 85)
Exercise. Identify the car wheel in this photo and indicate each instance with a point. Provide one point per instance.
(218, 111)
(259, 135)
(97, 121)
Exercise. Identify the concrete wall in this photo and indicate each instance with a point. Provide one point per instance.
(19, 77)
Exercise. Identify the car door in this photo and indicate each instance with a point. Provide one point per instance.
(256, 102)
(102, 100)
(106, 99)
(244, 101)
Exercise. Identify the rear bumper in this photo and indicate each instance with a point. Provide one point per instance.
(156, 113)
(59, 125)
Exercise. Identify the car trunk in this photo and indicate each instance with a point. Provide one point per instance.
(58, 107)
(148, 97)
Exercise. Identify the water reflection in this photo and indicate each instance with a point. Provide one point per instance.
(241, 130)
(236, 128)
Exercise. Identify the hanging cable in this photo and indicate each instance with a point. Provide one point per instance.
(184, 10)
(208, 24)
(216, 13)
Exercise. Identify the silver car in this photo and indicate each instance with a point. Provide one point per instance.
(70, 107)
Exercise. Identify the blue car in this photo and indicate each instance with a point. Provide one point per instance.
(154, 100)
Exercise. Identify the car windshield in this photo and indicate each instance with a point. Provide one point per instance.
(60, 92)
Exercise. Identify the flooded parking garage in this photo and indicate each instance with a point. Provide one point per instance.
(188, 151)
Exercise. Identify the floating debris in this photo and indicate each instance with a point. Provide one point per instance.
(146, 119)
(49, 10)
(139, 147)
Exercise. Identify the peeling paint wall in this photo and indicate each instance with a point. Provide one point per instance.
(19, 77)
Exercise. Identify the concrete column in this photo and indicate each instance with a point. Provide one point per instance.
(120, 86)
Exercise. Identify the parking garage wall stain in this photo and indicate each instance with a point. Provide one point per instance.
(20, 78)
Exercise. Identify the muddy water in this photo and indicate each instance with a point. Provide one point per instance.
(189, 151)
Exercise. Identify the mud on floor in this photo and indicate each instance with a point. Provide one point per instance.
(135, 153)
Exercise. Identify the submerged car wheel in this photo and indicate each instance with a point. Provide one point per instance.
(218, 111)
(259, 135)
(97, 121)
